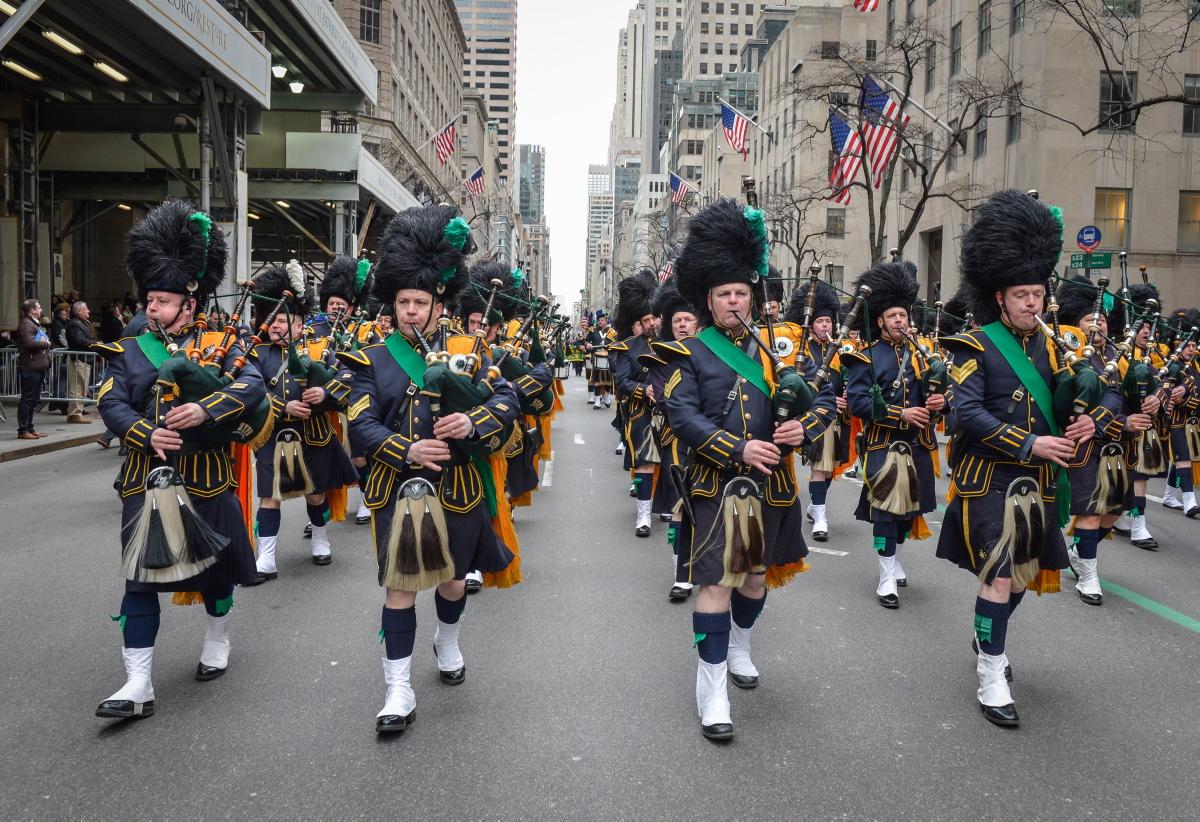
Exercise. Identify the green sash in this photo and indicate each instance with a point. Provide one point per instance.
(742, 363)
(489, 484)
(153, 348)
(1033, 381)
(407, 358)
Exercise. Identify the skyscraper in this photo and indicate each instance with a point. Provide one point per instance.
(531, 183)
(662, 62)
(490, 65)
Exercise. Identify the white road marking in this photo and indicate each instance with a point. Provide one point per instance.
(579, 439)
(1153, 498)
(548, 475)
(829, 551)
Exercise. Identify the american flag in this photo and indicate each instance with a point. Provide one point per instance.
(474, 183)
(847, 145)
(444, 142)
(735, 125)
(679, 188)
(866, 5)
(882, 115)
(667, 270)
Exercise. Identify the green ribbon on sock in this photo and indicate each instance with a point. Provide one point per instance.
(880, 544)
(222, 606)
(1134, 512)
(699, 638)
(380, 636)
(119, 618)
(983, 628)
(672, 533)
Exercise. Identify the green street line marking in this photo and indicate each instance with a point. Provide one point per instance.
(1156, 608)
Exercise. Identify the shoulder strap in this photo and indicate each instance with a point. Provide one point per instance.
(407, 358)
(1023, 367)
(153, 348)
(742, 364)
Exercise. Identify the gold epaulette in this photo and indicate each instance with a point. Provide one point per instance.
(669, 348)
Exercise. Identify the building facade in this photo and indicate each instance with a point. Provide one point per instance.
(490, 65)
(531, 183)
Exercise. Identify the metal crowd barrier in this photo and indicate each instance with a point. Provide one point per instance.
(57, 386)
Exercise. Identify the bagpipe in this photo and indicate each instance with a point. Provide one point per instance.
(1080, 390)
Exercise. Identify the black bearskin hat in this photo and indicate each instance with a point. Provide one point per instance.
(269, 286)
(424, 248)
(893, 285)
(825, 302)
(954, 315)
(1014, 240)
(475, 295)
(773, 283)
(635, 296)
(726, 243)
(345, 277)
(667, 303)
(176, 248)
(1139, 295)
(1076, 298)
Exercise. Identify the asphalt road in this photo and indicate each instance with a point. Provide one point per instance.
(579, 700)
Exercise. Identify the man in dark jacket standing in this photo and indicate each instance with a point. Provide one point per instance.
(80, 336)
(32, 362)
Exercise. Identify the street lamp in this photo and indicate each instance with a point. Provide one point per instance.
(829, 272)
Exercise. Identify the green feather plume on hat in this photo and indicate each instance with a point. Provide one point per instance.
(758, 224)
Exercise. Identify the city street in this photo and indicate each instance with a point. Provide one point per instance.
(579, 694)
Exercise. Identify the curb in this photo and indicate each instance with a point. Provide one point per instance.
(45, 448)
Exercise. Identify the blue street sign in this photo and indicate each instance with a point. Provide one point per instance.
(1088, 238)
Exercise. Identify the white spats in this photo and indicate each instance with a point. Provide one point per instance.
(993, 687)
(138, 688)
(712, 695)
(1139, 532)
(1190, 507)
(1123, 524)
(739, 651)
(363, 512)
(820, 522)
(266, 555)
(887, 577)
(400, 699)
(1087, 577)
(215, 653)
(641, 525)
(1173, 497)
(320, 541)
(445, 644)
(897, 571)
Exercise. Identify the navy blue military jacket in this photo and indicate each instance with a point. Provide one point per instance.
(387, 413)
(895, 369)
(132, 410)
(631, 375)
(283, 387)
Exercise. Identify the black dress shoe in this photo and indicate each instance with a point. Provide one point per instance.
(1122, 531)
(820, 536)
(746, 683)
(473, 586)
(1192, 513)
(322, 559)
(1007, 668)
(394, 723)
(457, 677)
(363, 520)
(642, 531)
(1090, 599)
(1005, 716)
(890, 601)
(261, 577)
(1150, 544)
(308, 531)
(206, 673)
(719, 730)
(665, 517)
(902, 582)
(125, 709)
(679, 594)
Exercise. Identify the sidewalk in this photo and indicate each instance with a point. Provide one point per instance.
(61, 434)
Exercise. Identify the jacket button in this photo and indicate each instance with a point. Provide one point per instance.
(745, 398)
(416, 419)
(747, 416)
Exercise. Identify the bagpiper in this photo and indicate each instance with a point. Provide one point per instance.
(168, 396)
(307, 387)
(1001, 522)
(595, 344)
(1180, 493)
(742, 528)
(427, 431)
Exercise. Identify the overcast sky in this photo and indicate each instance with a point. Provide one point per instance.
(566, 82)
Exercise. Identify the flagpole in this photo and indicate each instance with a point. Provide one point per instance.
(440, 130)
(463, 183)
(748, 119)
(918, 106)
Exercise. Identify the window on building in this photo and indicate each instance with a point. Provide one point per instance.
(750, 9)
(704, 48)
(704, 7)
(703, 27)
(1191, 111)
(839, 99)
(733, 29)
(1189, 221)
(1012, 128)
(836, 275)
(985, 26)
(955, 48)
(1017, 20)
(733, 8)
(1116, 92)
(704, 68)
(981, 133)
(1122, 8)
(910, 10)
(720, 8)
(872, 51)
(719, 28)
(1113, 216)
(719, 48)
(930, 66)
(829, 49)
(953, 150)
(835, 222)
(891, 20)
(927, 156)
(369, 20)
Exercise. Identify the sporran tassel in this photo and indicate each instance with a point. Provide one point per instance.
(826, 456)
(165, 542)
(1112, 479)
(292, 478)
(1192, 431)
(418, 548)
(744, 540)
(894, 487)
(1150, 460)
(1022, 531)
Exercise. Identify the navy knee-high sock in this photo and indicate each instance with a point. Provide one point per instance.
(1087, 540)
(1139, 507)
(816, 492)
(1184, 481)
(885, 538)
(363, 474)
(318, 515)
(266, 522)
(218, 599)
(139, 619)
(991, 625)
(645, 486)
(1014, 600)
(712, 636)
(449, 611)
(744, 610)
(1172, 476)
(399, 631)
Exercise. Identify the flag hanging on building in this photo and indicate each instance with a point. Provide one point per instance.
(735, 125)
(866, 5)
(881, 116)
(666, 271)
(679, 188)
(474, 183)
(847, 148)
(444, 143)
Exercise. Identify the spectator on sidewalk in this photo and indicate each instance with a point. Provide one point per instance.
(58, 341)
(110, 323)
(33, 360)
(80, 336)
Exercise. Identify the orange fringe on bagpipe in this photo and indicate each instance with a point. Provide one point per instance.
(1046, 582)
(502, 524)
(1196, 473)
(855, 428)
(780, 575)
(558, 393)
(337, 497)
(547, 446)
(920, 529)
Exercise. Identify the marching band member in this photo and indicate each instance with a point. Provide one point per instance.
(1000, 523)
(1184, 425)
(181, 523)
(596, 343)
(307, 387)
(426, 489)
